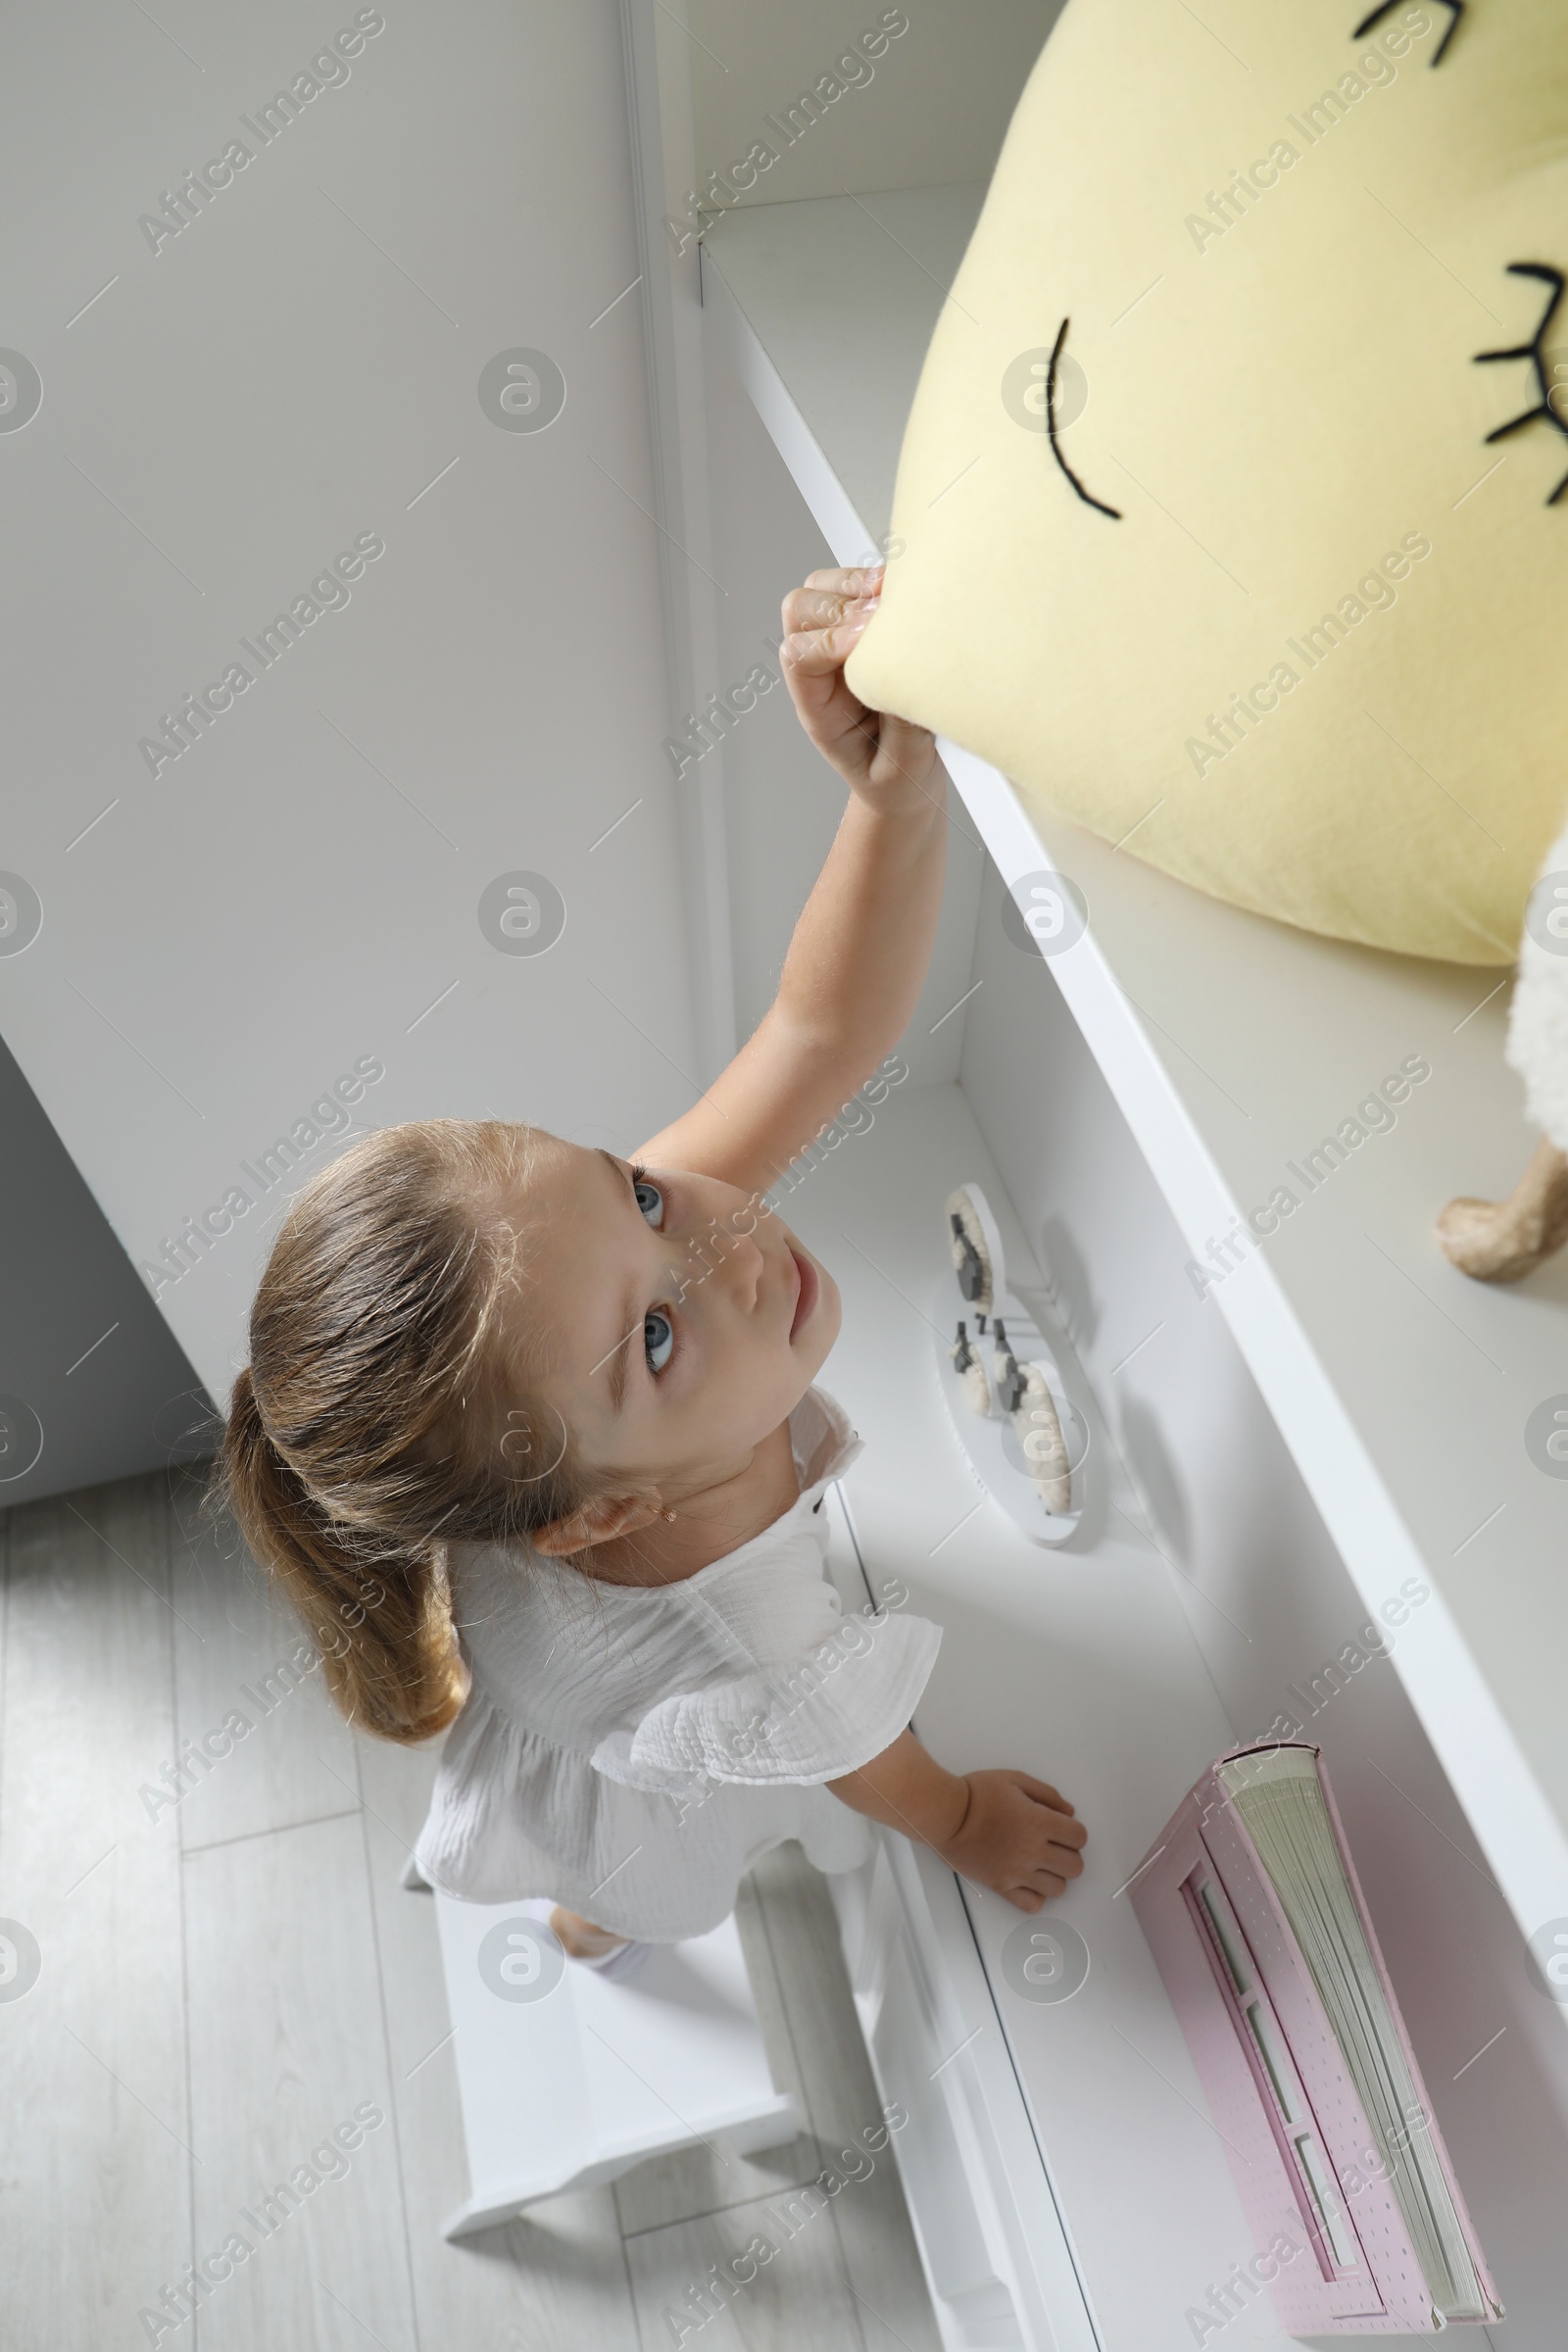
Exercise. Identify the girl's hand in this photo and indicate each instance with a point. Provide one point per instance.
(886, 762)
(1019, 1837)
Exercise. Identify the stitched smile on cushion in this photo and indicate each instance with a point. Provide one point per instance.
(1051, 427)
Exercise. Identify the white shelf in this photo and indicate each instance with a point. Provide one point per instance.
(1045, 2141)
(1233, 1046)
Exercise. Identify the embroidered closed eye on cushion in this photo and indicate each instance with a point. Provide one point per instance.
(631, 1751)
(1233, 493)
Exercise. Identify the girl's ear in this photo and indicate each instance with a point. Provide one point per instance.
(597, 1522)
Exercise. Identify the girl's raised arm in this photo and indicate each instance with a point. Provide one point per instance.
(861, 948)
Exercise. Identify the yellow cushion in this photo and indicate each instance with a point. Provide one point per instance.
(1288, 414)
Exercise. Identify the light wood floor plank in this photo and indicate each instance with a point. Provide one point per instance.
(241, 1653)
(287, 2041)
(799, 2296)
(94, 2127)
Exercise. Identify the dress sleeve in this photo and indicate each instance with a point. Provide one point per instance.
(807, 1719)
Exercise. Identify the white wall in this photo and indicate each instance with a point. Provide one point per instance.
(930, 106)
(782, 802)
(297, 368)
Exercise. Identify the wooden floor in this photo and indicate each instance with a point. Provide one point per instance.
(226, 1978)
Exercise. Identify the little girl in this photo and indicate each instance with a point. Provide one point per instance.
(529, 1436)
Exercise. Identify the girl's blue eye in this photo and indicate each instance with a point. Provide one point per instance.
(651, 1201)
(659, 1339)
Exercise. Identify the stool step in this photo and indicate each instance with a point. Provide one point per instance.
(569, 2078)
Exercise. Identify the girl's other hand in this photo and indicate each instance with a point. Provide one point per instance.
(889, 764)
(1018, 1835)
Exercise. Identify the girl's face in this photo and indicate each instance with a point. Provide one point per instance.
(675, 1321)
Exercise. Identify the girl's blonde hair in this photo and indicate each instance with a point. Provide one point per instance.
(381, 1418)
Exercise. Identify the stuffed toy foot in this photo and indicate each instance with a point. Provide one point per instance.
(1501, 1241)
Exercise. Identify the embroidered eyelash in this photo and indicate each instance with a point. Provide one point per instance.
(1534, 351)
(1378, 14)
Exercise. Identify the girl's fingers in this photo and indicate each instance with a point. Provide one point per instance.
(1039, 1888)
(909, 750)
(1044, 1794)
(818, 605)
(840, 628)
(819, 650)
(862, 579)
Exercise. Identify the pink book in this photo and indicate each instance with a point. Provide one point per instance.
(1254, 1912)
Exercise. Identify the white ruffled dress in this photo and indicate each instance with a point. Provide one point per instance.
(631, 1750)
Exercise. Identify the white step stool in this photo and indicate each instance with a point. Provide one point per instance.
(569, 2078)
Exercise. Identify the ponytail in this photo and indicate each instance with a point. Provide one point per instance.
(379, 1419)
(378, 1614)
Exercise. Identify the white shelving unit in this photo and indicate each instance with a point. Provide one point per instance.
(1401, 1388)
(1275, 1450)
(1035, 2131)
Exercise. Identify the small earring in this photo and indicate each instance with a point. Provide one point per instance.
(669, 1515)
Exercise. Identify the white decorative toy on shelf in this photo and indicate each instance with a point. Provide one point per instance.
(1025, 1438)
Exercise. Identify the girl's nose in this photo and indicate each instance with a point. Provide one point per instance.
(741, 1261)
